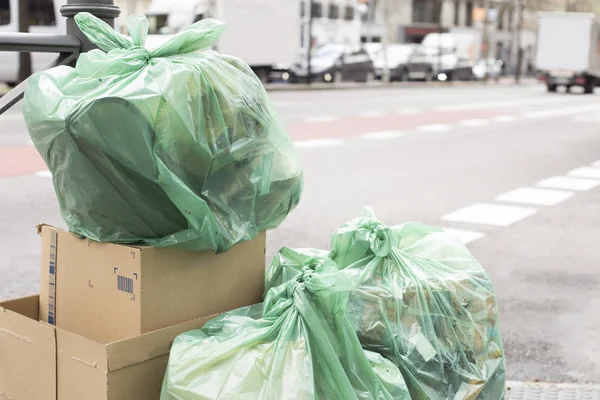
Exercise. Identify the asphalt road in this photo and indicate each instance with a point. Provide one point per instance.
(447, 156)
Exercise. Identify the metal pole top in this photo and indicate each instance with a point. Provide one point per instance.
(104, 9)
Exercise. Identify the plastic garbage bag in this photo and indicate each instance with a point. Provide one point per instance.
(297, 345)
(423, 302)
(165, 147)
(426, 304)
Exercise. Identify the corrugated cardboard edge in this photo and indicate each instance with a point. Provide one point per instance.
(137, 349)
(40, 227)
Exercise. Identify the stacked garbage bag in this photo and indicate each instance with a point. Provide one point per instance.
(173, 147)
(402, 311)
(298, 344)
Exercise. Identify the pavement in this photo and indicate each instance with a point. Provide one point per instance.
(511, 170)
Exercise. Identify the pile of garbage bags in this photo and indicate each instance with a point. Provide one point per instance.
(171, 147)
(402, 312)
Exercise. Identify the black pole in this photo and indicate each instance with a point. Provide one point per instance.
(308, 55)
(25, 69)
(520, 50)
(440, 46)
(103, 9)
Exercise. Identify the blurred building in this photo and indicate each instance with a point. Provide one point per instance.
(333, 21)
(408, 21)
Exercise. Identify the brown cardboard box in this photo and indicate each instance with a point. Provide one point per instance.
(41, 362)
(106, 292)
(27, 352)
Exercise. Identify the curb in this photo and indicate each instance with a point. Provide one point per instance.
(319, 86)
(517, 390)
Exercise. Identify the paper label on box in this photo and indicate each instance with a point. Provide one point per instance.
(52, 270)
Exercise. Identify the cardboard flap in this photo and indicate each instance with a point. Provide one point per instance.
(26, 345)
(27, 306)
(81, 351)
(127, 352)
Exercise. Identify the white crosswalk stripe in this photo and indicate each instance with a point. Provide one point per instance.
(569, 183)
(535, 196)
(585, 172)
(490, 214)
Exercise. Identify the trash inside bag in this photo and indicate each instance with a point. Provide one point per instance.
(297, 345)
(171, 147)
(423, 302)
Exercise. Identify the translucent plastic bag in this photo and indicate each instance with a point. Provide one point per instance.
(426, 304)
(166, 147)
(423, 302)
(297, 345)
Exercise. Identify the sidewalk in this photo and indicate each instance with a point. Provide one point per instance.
(551, 391)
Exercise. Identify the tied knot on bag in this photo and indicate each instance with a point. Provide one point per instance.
(198, 36)
(379, 237)
(298, 283)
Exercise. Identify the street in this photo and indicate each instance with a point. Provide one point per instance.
(513, 171)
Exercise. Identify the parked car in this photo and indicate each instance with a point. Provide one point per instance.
(492, 67)
(398, 56)
(335, 63)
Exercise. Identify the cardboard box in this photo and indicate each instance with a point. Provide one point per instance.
(27, 352)
(42, 362)
(106, 292)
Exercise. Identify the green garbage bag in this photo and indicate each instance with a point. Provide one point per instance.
(423, 302)
(426, 304)
(296, 345)
(166, 147)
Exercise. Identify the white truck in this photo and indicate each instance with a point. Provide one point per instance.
(264, 33)
(441, 57)
(568, 50)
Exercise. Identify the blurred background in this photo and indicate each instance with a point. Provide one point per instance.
(479, 116)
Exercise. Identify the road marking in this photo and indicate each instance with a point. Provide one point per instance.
(495, 104)
(464, 236)
(474, 122)
(569, 183)
(585, 172)
(318, 143)
(535, 196)
(561, 111)
(371, 114)
(433, 128)
(410, 111)
(505, 118)
(383, 135)
(44, 174)
(322, 118)
(490, 214)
